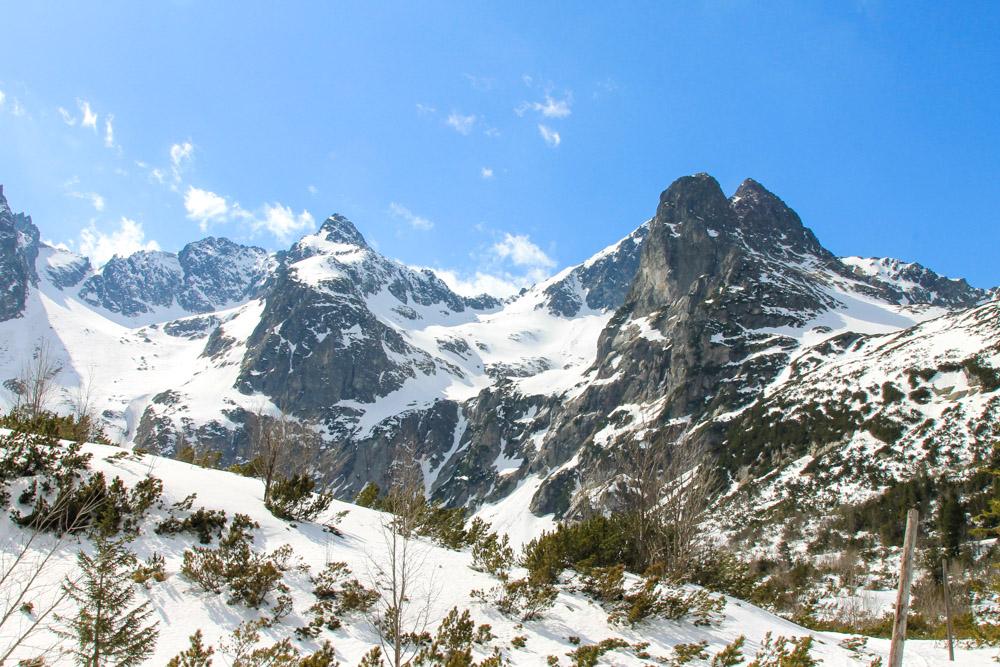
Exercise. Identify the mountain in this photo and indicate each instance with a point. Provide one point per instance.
(702, 324)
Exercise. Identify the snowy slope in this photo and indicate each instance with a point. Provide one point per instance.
(181, 607)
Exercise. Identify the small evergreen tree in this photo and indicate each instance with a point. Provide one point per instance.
(197, 655)
(368, 496)
(951, 523)
(108, 628)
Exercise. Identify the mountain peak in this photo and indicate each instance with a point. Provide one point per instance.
(339, 229)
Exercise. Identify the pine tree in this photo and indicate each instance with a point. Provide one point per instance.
(197, 655)
(108, 628)
(951, 523)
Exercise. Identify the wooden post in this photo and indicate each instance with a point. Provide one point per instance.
(903, 594)
(947, 609)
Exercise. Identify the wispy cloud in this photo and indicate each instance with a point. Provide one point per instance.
(66, 116)
(180, 155)
(549, 107)
(417, 222)
(486, 172)
(425, 109)
(96, 200)
(87, 116)
(461, 123)
(109, 131)
(128, 238)
(480, 83)
(550, 136)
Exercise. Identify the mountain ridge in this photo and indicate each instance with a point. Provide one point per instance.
(686, 323)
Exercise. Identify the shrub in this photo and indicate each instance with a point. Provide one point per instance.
(292, 498)
(203, 523)
(249, 576)
(784, 652)
(452, 645)
(521, 597)
(444, 525)
(731, 656)
(891, 393)
(587, 656)
(336, 595)
(151, 570)
(686, 653)
(596, 542)
(88, 504)
(492, 554)
(604, 583)
(652, 599)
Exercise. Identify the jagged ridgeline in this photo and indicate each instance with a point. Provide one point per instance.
(721, 323)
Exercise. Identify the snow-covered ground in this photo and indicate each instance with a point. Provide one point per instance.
(181, 607)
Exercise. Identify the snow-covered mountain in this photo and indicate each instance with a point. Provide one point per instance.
(710, 311)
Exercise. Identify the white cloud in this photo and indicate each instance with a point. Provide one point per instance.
(312, 189)
(109, 131)
(550, 107)
(480, 283)
(88, 117)
(521, 251)
(96, 200)
(127, 239)
(461, 123)
(181, 153)
(204, 206)
(67, 117)
(550, 136)
(3, 98)
(414, 220)
(504, 268)
(425, 109)
(486, 172)
(281, 221)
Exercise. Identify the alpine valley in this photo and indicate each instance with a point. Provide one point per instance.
(827, 394)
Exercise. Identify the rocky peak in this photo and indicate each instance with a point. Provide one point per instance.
(770, 224)
(339, 229)
(688, 238)
(18, 252)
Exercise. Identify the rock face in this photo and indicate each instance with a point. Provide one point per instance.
(18, 250)
(600, 283)
(206, 275)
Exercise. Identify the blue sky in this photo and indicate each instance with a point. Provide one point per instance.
(495, 140)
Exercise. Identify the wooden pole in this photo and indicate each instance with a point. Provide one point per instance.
(903, 594)
(947, 609)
